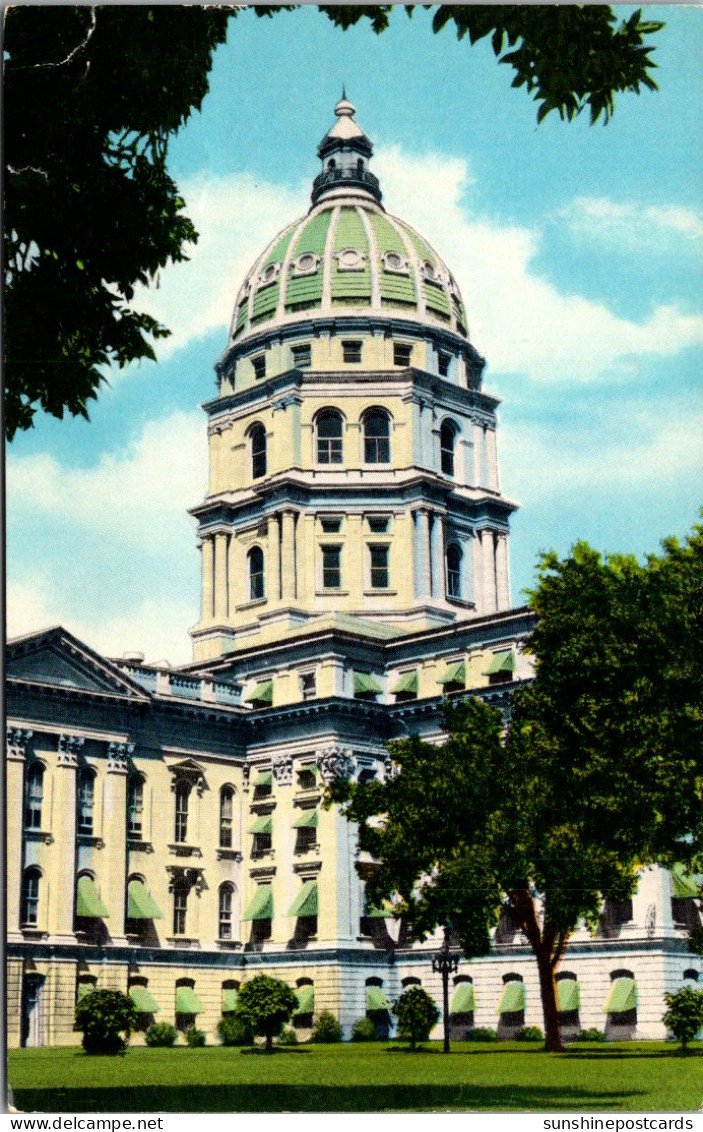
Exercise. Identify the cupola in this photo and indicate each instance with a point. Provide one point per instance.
(345, 152)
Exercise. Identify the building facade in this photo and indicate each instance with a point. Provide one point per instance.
(166, 833)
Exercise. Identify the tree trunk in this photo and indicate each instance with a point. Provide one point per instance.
(268, 1048)
(547, 944)
(548, 991)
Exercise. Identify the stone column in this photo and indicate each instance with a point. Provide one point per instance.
(437, 543)
(288, 579)
(63, 876)
(273, 568)
(488, 572)
(114, 868)
(422, 553)
(491, 460)
(502, 571)
(17, 743)
(208, 553)
(478, 456)
(236, 581)
(221, 602)
(477, 552)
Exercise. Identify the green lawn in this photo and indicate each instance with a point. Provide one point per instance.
(513, 1077)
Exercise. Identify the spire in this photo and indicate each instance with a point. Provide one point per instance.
(345, 151)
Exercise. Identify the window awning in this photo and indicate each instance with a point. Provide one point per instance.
(621, 996)
(463, 999)
(306, 1000)
(310, 768)
(261, 907)
(187, 1001)
(306, 902)
(513, 997)
(140, 906)
(376, 999)
(309, 819)
(262, 694)
(143, 1001)
(229, 1000)
(683, 885)
(84, 989)
(263, 778)
(406, 683)
(501, 662)
(88, 902)
(365, 683)
(454, 674)
(568, 995)
(263, 824)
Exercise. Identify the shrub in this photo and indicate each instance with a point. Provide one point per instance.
(416, 1013)
(481, 1034)
(266, 1004)
(363, 1031)
(684, 1016)
(593, 1035)
(106, 1018)
(529, 1034)
(327, 1029)
(195, 1037)
(233, 1031)
(161, 1034)
(288, 1037)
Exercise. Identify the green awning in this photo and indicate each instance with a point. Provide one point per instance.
(263, 824)
(305, 903)
(454, 674)
(501, 662)
(309, 819)
(140, 906)
(463, 999)
(406, 683)
(88, 902)
(263, 778)
(262, 694)
(621, 996)
(187, 1001)
(513, 997)
(306, 1000)
(229, 1000)
(683, 885)
(376, 999)
(261, 907)
(568, 995)
(310, 768)
(365, 683)
(143, 1001)
(84, 989)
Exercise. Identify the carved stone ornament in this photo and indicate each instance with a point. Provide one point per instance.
(118, 756)
(390, 769)
(282, 767)
(17, 743)
(191, 772)
(191, 878)
(650, 920)
(335, 763)
(69, 747)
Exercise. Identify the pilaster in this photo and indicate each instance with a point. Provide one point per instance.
(221, 602)
(63, 878)
(114, 869)
(437, 550)
(288, 552)
(17, 745)
(422, 553)
(208, 561)
(502, 571)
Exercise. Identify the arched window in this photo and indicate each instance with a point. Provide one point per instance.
(181, 813)
(329, 437)
(454, 557)
(34, 796)
(226, 816)
(255, 559)
(225, 911)
(86, 801)
(135, 807)
(30, 897)
(447, 440)
(258, 451)
(377, 437)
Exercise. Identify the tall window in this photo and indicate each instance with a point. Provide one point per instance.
(226, 814)
(86, 800)
(377, 437)
(34, 796)
(182, 800)
(256, 573)
(379, 567)
(329, 438)
(454, 557)
(135, 807)
(331, 567)
(258, 451)
(30, 897)
(447, 440)
(259, 364)
(225, 916)
(180, 908)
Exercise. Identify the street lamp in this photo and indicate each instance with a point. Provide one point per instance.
(446, 963)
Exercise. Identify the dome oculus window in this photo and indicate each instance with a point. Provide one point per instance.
(395, 263)
(350, 259)
(306, 264)
(269, 274)
(329, 437)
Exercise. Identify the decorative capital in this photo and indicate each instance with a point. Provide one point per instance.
(17, 743)
(282, 767)
(190, 878)
(336, 763)
(69, 747)
(118, 756)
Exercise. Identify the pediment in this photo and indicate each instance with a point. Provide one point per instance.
(57, 658)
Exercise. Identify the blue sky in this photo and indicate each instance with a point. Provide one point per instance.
(578, 250)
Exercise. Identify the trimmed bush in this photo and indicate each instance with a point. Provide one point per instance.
(195, 1037)
(266, 1004)
(481, 1034)
(684, 1016)
(327, 1029)
(363, 1031)
(161, 1034)
(593, 1035)
(288, 1037)
(233, 1031)
(529, 1034)
(106, 1019)
(417, 1013)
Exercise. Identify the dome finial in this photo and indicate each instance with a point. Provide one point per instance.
(344, 92)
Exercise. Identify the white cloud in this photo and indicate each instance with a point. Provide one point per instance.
(633, 225)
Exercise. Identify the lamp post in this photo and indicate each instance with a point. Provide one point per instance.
(446, 963)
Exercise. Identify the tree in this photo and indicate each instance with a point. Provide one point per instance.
(416, 1013)
(92, 97)
(106, 1018)
(684, 1015)
(266, 1004)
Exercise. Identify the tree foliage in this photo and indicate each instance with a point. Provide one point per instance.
(417, 1013)
(684, 1014)
(266, 1004)
(106, 1019)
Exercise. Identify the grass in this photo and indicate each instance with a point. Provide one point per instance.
(511, 1077)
